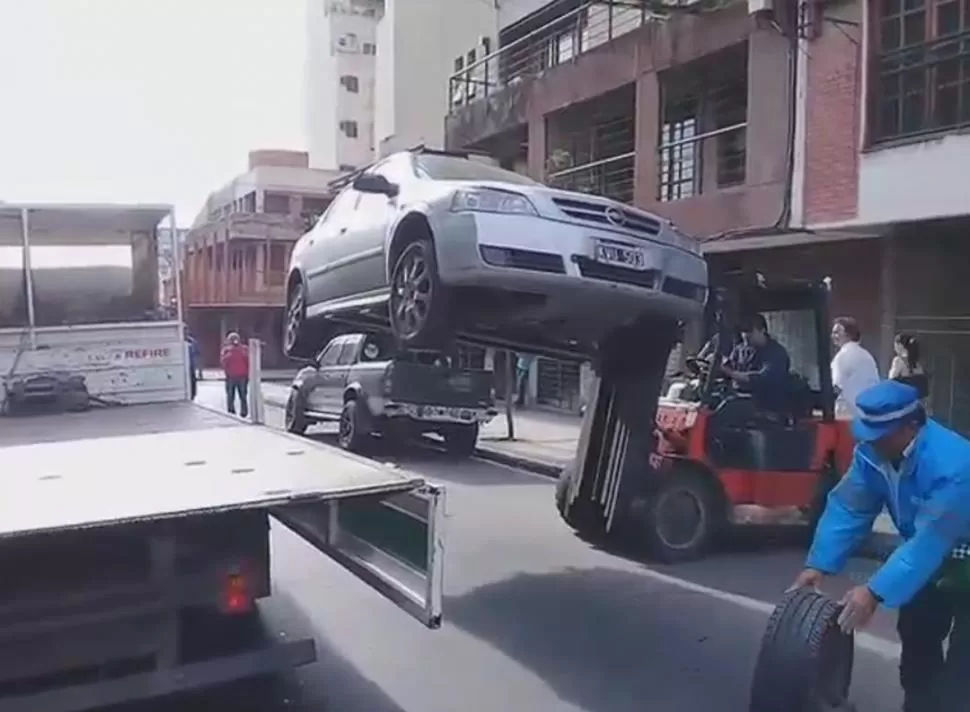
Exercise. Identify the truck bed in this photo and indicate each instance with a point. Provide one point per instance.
(125, 464)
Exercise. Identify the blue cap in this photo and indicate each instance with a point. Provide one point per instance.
(882, 409)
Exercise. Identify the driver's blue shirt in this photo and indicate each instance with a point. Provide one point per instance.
(769, 375)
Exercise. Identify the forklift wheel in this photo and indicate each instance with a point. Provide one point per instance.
(680, 517)
(805, 661)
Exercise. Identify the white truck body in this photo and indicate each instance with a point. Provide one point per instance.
(121, 520)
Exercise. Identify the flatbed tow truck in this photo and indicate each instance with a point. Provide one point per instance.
(134, 530)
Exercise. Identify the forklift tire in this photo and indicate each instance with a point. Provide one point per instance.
(654, 514)
(805, 661)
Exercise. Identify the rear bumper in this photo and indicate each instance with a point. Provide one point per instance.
(439, 414)
(183, 678)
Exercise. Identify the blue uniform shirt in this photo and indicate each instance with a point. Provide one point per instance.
(928, 497)
(193, 353)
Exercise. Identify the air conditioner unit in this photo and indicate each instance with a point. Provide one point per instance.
(756, 7)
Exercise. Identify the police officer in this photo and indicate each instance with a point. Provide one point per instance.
(920, 471)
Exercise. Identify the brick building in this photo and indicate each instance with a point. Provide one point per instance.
(237, 251)
(812, 138)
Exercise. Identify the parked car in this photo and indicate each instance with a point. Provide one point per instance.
(360, 381)
(434, 244)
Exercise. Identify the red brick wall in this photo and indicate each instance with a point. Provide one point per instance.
(833, 86)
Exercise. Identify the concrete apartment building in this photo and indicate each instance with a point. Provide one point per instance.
(804, 138)
(340, 69)
(238, 249)
(420, 44)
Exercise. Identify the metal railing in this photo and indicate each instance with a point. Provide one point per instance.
(556, 43)
(692, 163)
(610, 177)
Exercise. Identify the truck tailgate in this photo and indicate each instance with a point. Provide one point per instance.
(438, 385)
(171, 460)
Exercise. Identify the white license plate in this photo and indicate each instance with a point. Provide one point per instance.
(432, 412)
(629, 257)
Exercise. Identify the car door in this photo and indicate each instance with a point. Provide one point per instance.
(321, 398)
(370, 224)
(326, 252)
(345, 360)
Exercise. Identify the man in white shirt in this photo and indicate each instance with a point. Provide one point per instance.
(853, 368)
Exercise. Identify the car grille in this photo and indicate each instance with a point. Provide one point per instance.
(595, 214)
(523, 259)
(610, 273)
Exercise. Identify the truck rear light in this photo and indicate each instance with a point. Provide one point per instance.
(236, 595)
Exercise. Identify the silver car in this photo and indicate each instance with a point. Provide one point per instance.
(438, 245)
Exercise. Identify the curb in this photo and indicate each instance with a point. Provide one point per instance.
(546, 469)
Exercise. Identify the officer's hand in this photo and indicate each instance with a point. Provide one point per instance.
(859, 607)
(809, 578)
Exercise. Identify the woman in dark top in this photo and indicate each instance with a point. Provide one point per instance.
(907, 366)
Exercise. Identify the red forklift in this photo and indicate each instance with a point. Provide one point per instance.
(675, 479)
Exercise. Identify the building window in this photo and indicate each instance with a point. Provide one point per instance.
(350, 83)
(346, 167)
(370, 48)
(276, 203)
(703, 125)
(347, 42)
(470, 63)
(459, 80)
(922, 66)
(349, 128)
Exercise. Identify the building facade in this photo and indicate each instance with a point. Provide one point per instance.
(341, 63)
(802, 138)
(413, 70)
(237, 251)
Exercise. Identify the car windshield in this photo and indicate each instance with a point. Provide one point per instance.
(439, 167)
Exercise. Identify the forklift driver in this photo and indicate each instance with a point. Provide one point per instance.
(765, 376)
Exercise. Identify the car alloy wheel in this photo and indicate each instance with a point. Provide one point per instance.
(345, 432)
(294, 318)
(412, 291)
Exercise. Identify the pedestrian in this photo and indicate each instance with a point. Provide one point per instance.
(235, 364)
(853, 368)
(907, 365)
(194, 370)
(920, 471)
(522, 367)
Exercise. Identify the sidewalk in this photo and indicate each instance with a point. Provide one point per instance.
(271, 375)
(545, 442)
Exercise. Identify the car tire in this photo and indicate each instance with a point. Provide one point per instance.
(355, 430)
(460, 440)
(805, 661)
(414, 326)
(294, 415)
(298, 341)
(656, 516)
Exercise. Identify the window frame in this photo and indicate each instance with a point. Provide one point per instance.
(335, 347)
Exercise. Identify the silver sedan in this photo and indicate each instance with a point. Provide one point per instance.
(436, 244)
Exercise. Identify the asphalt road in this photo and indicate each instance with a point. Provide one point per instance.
(537, 619)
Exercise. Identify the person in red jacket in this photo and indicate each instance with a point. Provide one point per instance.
(235, 364)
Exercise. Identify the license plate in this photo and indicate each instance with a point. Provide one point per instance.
(451, 414)
(629, 257)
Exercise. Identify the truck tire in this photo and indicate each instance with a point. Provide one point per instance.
(418, 305)
(355, 432)
(679, 518)
(460, 440)
(805, 661)
(294, 416)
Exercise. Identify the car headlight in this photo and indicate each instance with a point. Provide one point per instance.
(489, 200)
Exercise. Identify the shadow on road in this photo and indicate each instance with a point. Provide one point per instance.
(614, 641)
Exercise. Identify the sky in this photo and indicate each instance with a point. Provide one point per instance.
(144, 101)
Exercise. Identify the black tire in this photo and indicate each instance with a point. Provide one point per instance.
(460, 440)
(805, 661)
(418, 305)
(298, 341)
(294, 415)
(356, 432)
(656, 515)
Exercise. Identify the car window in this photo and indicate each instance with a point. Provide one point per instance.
(348, 353)
(330, 354)
(341, 207)
(397, 168)
(440, 167)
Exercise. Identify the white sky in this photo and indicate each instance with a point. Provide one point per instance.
(154, 101)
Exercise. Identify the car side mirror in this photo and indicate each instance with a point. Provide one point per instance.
(375, 183)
